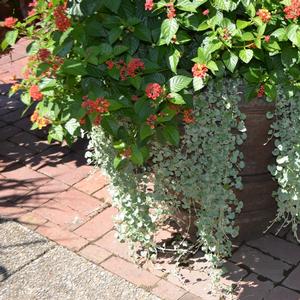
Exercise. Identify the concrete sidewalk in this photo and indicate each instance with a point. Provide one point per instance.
(32, 267)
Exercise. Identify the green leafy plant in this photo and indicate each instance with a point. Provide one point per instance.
(139, 76)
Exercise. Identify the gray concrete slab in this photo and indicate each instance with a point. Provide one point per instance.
(18, 247)
(57, 274)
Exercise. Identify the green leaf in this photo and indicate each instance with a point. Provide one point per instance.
(169, 28)
(171, 134)
(198, 83)
(179, 82)
(57, 133)
(174, 60)
(230, 60)
(74, 67)
(145, 131)
(10, 39)
(242, 24)
(246, 55)
(176, 98)
(112, 5)
(293, 34)
(72, 125)
(137, 156)
(289, 57)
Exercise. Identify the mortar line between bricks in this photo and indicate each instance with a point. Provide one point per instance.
(287, 275)
(29, 262)
(284, 238)
(268, 254)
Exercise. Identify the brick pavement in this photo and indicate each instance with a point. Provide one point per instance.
(50, 189)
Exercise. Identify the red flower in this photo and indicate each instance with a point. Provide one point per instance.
(43, 54)
(264, 15)
(110, 64)
(171, 12)
(134, 98)
(153, 90)
(205, 12)
(10, 22)
(61, 20)
(151, 121)
(100, 105)
(293, 11)
(261, 91)
(82, 121)
(199, 70)
(149, 5)
(35, 93)
(267, 38)
(126, 153)
(133, 66)
(188, 117)
(34, 3)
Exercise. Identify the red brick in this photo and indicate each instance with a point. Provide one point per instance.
(14, 152)
(291, 237)
(98, 226)
(130, 272)
(30, 141)
(92, 183)
(32, 220)
(79, 201)
(8, 131)
(260, 263)
(26, 176)
(12, 116)
(252, 288)
(95, 254)
(15, 69)
(10, 190)
(60, 214)
(66, 174)
(103, 195)
(277, 247)
(281, 293)
(167, 290)
(74, 160)
(190, 296)
(62, 236)
(50, 157)
(11, 212)
(234, 274)
(111, 243)
(293, 280)
(196, 282)
(42, 194)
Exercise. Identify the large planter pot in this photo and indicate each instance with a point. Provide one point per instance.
(259, 205)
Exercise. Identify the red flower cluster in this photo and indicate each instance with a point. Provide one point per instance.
(267, 38)
(199, 70)
(264, 15)
(131, 69)
(126, 153)
(205, 12)
(151, 121)
(61, 20)
(10, 22)
(43, 54)
(149, 5)
(171, 12)
(100, 105)
(33, 5)
(188, 117)
(35, 93)
(153, 90)
(110, 64)
(261, 91)
(293, 11)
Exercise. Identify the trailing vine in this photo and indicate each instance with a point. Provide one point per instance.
(286, 129)
(198, 177)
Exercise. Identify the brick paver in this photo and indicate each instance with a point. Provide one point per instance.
(260, 263)
(95, 254)
(130, 272)
(49, 189)
(97, 226)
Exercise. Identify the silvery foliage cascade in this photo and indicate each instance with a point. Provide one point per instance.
(286, 129)
(198, 176)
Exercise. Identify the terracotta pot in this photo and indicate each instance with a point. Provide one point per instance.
(259, 205)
